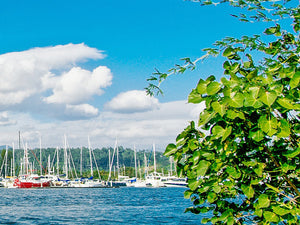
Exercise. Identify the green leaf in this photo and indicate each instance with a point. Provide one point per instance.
(227, 132)
(225, 215)
(271, 30)
(230, 220)
(202, 168)
(170, 150)
(201, 86)
(252, 74)
(213, 88)
(195, 97)
(211, 197)
(233, 172)
(193, 144)
(228, 52)
(259, 170)
(226, 65)
(263, 201)
(237, 101)
(286, 167)
(193, 184)
(257, 135)
(218, 131)
(251, 101)
(231, 114)
(219, 108)
(248, 190)
(250, 163)
(217, 189)
(286, 103)
(295, 80)
(268, 98)
(269, 126)
(204, 221)
(258, 212)
(270, 217)
(196, 157)
(280, 211)
(293, 153)
(285, 130)
(205, 117)
(254, 91)
(187, 194)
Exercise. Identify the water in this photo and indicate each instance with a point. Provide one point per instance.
(95, 206)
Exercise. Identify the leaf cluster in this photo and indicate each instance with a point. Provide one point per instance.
(242, 159)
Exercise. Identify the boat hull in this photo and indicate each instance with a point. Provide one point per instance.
(31, 184)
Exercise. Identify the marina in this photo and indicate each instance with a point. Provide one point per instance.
(62, 170)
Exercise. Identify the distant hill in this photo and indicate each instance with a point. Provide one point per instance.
(125, 157)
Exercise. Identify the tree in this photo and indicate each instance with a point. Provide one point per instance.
(242, 160)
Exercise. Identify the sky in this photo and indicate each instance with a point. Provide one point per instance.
(79, 68)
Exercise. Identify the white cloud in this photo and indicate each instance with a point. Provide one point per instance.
(132, 101)
(83, 110)
(78, 85)
(49, 77)
(5, 120)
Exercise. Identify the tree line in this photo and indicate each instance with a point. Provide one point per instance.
(125, 157)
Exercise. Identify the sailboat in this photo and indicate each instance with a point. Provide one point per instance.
(174, 181)
(154, 179)
(88, 182)
(7, 181)
(31, 181)
(136, 182)
(28, 180)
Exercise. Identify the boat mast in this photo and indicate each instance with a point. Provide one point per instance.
(81, 162)
(41, 155)
(91, 161)
(6, 162)
(171, 168)
(135, 166)
(154, 158)
(57, 166)
(118, 169)
(11, 168)
(111, 161)
(26, 159)
(146, 167)
(65, 158)
(140, 172)
(13, 160)
(49, 165)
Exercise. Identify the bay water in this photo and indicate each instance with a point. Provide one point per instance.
(124, 205)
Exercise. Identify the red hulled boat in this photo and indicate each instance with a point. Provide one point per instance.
(31, 181)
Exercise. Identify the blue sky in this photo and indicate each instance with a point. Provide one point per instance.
(50, 49)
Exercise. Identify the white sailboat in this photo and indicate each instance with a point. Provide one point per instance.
(137, 182)
(174, 181)
(154, 179)
(88, 182)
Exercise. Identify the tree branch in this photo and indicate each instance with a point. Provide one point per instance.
(284, 175)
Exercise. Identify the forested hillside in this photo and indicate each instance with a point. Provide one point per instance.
(125, 156)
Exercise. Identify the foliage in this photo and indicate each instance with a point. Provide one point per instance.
(242, 161)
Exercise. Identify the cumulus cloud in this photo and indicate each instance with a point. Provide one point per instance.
(51, 76)
(78, 85)
(132, 101)
(83, 110)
